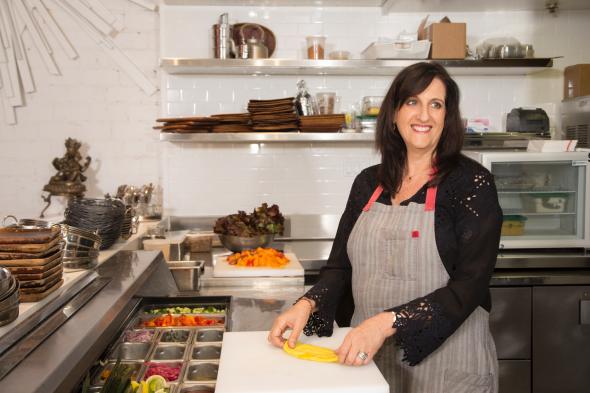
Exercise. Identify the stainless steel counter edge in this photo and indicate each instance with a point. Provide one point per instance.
(57, 364)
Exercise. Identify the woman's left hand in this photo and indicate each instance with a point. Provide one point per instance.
(368, 337)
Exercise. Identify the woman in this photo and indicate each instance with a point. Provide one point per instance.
(414, 251)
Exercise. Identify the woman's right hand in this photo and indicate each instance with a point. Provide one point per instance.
(295, 319)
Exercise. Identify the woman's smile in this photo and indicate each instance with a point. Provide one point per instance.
(422, 128)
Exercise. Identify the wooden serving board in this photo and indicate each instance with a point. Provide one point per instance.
(26, 259)
(250, 364)
(29, 247)
(35, 297)
(28, 277)
(10, 235)
(223, 269)
(47, 283)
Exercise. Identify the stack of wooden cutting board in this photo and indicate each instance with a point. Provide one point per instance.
(186, 125)
(322, 123)
(273, 115)
(34, 257)
(232, 122)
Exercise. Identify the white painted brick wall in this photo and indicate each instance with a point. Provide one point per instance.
(91, 101)
(99, 105)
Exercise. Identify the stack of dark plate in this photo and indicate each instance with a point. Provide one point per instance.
(273, 115)
(101, 216)
(34, 257)
(322, 123)
(232, 122)
(186, 125)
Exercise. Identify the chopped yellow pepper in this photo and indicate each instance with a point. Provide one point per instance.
(311, 352)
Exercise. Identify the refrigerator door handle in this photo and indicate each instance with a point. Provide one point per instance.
(584, 312)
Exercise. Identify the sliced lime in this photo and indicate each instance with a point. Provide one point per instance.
(155, 383)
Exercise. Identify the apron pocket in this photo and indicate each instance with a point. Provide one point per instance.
(457, 381)
(399, 253)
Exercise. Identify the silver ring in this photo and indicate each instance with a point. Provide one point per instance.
(363, 355)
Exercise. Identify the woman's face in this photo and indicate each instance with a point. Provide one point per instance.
(421, 118)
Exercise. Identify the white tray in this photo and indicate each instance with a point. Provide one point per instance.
(223, 269)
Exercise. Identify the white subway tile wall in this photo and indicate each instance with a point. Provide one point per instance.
(316, 178)
(98, 104)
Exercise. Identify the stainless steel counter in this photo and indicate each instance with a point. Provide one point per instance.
(59, 361)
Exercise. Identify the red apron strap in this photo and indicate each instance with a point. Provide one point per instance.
(430, 199)
(373, 198)
(431, 194)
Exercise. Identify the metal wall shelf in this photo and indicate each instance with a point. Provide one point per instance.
(268, 137)
(398, 5)
(481, 141)
(347, 67)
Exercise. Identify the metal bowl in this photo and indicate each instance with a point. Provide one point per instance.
(7, 297)
(239, 243)
(5, 281)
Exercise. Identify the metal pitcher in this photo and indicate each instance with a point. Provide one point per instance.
(252, 48)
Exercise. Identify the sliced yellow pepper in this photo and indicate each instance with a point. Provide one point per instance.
(311, 352)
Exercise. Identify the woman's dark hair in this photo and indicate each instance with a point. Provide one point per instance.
(410, 82)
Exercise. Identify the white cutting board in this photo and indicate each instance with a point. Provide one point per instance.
(223, 269)
(249, 364)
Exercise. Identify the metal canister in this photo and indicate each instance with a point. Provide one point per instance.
(222, 38)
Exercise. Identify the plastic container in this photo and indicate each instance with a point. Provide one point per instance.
(545, 203)
(371, 105)
(327, 103)
(393, 50)
(316, 45)
(513, 225)
(339, 55)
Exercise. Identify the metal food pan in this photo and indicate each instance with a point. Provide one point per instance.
(124, 336)
(186, 274)
(200, 372)
(100, 376)
(146, 309)
(206, 352)
(196, 388)
(179, 363)
(209, 335)
(149, 303)
(142, 319)
(169, 352)
(175, 336)
(131, 351)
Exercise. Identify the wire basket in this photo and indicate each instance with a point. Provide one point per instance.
(105, 216)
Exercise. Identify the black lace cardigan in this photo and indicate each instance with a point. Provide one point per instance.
(467, 227)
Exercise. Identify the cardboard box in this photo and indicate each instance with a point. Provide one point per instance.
(449, 40)
(576, 81)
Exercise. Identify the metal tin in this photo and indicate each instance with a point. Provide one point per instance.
(152, 332)
(131, 351)
(206, 352)
(98, 377)
(209, 335)
(186, 274)
(174, 363)
(169, 352)
(175, 336)
(201, 372)
(196, 388)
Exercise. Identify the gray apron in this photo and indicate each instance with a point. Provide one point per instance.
(394, 260)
